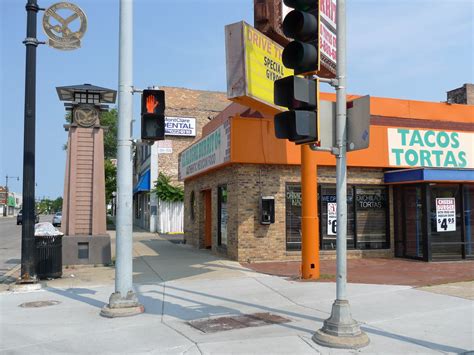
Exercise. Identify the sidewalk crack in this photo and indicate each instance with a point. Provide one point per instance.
(183, 335)
(289, 299)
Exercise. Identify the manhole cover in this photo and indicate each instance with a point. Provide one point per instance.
(38, 304)
(237, 322)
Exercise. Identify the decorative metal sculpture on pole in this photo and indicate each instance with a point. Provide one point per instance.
(70, 40)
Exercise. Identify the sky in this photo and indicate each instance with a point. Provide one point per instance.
(410, 49)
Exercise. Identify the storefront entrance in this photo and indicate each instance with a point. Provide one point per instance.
(433, 221)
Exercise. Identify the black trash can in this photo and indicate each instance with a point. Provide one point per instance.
(49, 257)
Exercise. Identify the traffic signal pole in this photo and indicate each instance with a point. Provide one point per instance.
(309, 215)
(340, 330)
(124, 302)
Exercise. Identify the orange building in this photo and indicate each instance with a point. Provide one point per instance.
(410, 194)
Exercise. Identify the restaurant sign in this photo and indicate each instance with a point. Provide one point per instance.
(253, 64)
(429, 148)
(211, 151)
(327, 38)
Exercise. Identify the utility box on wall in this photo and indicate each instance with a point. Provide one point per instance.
(267, 209)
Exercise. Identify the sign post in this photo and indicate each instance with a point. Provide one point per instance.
(124, 301)
(340, 330)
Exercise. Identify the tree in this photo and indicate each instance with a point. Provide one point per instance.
(48, 206)
(110, 180)
(165, 191)
(57, 204)
(109, 120)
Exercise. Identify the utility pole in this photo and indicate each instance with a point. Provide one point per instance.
(28, 267)
(124, 302)
(340, 330)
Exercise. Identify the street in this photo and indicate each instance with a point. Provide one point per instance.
(10, 249)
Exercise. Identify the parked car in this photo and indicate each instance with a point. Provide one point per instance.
(19, 218)
(58, 216)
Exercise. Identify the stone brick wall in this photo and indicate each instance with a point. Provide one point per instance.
(248, 240)
(198, 104)
(194, 228)
(463, 95)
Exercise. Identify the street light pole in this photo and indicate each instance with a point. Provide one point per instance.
(340, 330)
(28, 267)
(124, 302)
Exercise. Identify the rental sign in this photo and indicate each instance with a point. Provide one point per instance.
(429, 148)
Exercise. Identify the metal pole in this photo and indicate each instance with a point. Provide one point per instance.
(124, 302)
(309, 216)
(341, 164)
(28, 267)
(340, 330)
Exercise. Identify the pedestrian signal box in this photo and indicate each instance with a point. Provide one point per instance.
(153, 115)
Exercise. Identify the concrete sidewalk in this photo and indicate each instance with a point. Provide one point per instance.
(178, 284)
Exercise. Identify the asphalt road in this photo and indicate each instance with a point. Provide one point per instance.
(10, 242)
(10, 247)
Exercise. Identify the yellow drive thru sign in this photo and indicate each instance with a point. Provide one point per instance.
(253, 65)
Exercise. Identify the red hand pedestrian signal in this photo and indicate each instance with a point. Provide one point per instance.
(151, 103)
(153, 115)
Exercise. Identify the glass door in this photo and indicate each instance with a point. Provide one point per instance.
(413, 226)
(468, 201)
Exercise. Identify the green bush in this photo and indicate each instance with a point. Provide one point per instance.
(165, 191)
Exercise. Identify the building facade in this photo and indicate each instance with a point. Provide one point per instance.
(187, 112)
(409, 194)
(10, 202)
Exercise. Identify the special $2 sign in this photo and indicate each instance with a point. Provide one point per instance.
(253, 63)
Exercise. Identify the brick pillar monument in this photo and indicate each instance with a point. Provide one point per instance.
(84, 223)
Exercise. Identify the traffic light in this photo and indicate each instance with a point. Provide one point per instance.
(301, 123)
(302, 25)
(153, 115)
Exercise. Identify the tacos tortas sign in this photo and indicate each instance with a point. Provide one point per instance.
(429, 148)
(58, 29)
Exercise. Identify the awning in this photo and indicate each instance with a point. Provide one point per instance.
(428, 175)
(143, 183)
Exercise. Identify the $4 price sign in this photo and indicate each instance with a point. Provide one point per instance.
(445, 214)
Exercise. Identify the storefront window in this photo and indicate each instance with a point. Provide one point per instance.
(468, 198)
(223, 215)
(446, 221)
(328, 218)
(368, 213)
(293, 216)
(371, 218)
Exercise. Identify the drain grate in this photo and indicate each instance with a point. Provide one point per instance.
(237, 322)
(38, 304)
